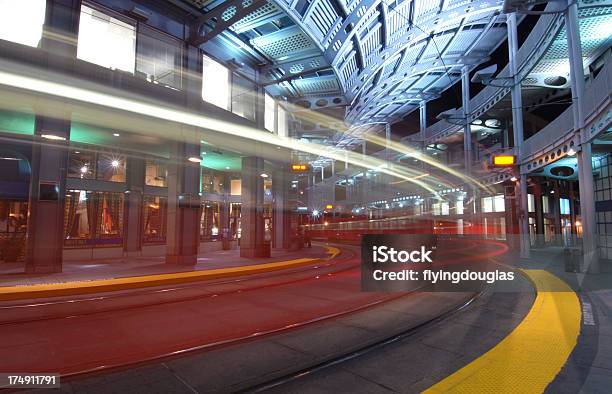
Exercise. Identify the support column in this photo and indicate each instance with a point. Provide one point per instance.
(539, 214)
(47, 198)
(585, 165)
(183, 204)
(252, 242)
(467, 133)
(133, 207)
(282, 210)
(517, 128)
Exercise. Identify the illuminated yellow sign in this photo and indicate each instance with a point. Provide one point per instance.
(329, 206)
(299, 167)
(504, 160)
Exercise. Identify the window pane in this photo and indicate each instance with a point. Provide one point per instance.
(106, 41)
(159, 57)
(500, 203)
(155, 219)
(283, 130)
(487, 204)
(81, 164)
(156, 173)
(243, 97)
(459, 207)
(209, 225)
(16, 27)
(530, 203)
(110, 217)
(78, 218)
(215, 83)
(564, 206)
(269, 113)
(111, 167)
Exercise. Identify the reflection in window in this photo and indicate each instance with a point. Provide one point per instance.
(530, 203)
(209, 226)
(215, 83)
(22, 21)
(155, 209)
(494, 204)
(82, 164)
(269, 115)
(111, 167)
(156, 173)
(243, 97)
(159, 57)
(106, 41)
(459, 207)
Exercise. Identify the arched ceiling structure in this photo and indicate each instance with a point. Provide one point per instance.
(376, 58)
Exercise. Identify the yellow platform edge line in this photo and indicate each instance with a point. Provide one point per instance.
(532, 355)
(12, 293)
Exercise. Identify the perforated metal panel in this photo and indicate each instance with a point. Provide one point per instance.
(284, 44)
(316, 85)
(256, 18)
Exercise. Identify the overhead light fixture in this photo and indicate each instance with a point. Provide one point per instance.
(513, 179)
(227, 167)
(264, 175)
(115, 163)
(84, 170)
(571, 152)
(195, 159)
(53, 137)
(116, 134)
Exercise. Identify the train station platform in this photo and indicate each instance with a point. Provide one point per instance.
(545, 333)
(129, 273)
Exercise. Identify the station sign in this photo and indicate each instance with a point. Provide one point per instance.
(504, 160)
(300, 167)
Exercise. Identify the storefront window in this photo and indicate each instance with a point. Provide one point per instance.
(236, 187)
(212, 182)
(210, 225)
(110, 216)
(13, 216)
(234, 221)
(155, 210)
(22, 21)
(82, 164)
(267, 183)
(215, 83)
(111, 167)
(79, 217)
(156, 173)
(106, 41)
(93, 219)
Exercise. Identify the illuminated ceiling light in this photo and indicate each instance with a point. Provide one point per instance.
(84, 170)
(116, 134)
(513, 179)
(263, 175)
(227, 167)
(571, 152)
(115, 163)
(195, 159)
(53, 137)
